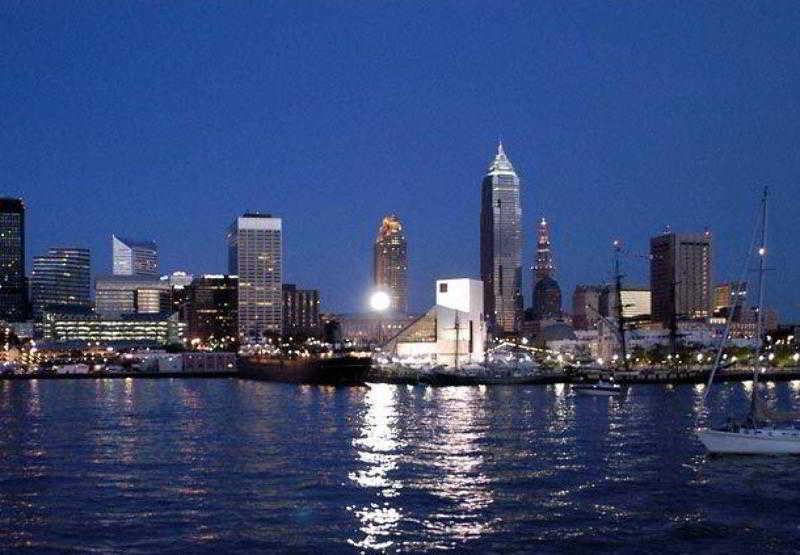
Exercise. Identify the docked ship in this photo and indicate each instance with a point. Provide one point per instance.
(316, 370)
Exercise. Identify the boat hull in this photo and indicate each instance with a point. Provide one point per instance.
(345, 370)
(597, 393)
(760, 441)
(448, 378)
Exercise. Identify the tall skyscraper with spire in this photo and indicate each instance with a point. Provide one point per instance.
(544, 257)
(501, 245)
(546, 292)
(390, 269)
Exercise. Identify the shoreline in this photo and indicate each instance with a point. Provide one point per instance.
(775, 375)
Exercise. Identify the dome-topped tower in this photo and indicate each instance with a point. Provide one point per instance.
(546, 291)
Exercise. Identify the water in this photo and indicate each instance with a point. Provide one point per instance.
(227, 465)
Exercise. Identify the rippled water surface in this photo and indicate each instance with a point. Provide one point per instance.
(226, 465)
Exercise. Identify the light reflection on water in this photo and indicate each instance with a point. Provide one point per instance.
(455, 456)
(378, 448)
(201, 465)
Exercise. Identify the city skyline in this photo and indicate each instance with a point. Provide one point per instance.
(605, 155)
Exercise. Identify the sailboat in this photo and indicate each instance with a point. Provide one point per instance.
(763, 431)
(608, 387)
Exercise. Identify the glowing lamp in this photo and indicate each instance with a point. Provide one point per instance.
(380, 301)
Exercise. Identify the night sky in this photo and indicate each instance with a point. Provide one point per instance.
(165, 120)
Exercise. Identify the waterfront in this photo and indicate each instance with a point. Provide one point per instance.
(225, 464)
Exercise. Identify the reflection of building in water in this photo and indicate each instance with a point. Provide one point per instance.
(378, 449)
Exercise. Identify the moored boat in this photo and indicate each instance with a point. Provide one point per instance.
(600, 388)
(751, 440)
(333, 370)
(765, 431)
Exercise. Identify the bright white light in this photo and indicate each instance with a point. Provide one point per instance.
(380, 301)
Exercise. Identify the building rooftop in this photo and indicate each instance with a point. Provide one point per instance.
(134, 243)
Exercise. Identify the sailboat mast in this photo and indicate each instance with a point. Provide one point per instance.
(762, 269)
(458, 338)
(620, 318)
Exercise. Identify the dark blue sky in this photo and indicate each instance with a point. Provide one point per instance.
(166, 120)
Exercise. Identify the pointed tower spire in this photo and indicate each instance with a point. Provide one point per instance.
(501, 163)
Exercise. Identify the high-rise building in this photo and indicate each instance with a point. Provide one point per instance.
(586, 306)
(546, 291)
(212, 308)
(254, 254)
(501, 245)
(60, 278)
(116, 296)
(300, 311)
(134, 258)
(390, 265)
(13, 290)
(680, 276)
(729, 299)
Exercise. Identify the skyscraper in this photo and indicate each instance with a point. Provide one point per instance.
(13, 291)
(212, 302)
(134, 258)
(680, 276)
(60, 278)
(546, 291)
(501, 245)
(390, 265)
(254, 254)
(544, 266)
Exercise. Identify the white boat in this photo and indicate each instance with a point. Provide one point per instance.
(603, 388)
(755, 440)
(764, 431)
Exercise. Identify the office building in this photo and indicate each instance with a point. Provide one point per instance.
(636, 302)
(212, 310)
(730, 299)
(79, 324)
(13, 284)
(179, 283)
(390, 263)
(586, 306)
(300, 311)
(255, 255)
(680, 276)
(501, 246)
(60, 277)
(124, 295)
(134, 258)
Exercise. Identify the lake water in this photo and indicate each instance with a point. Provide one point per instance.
(224, 465)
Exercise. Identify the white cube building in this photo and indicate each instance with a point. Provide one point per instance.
(451, 333)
